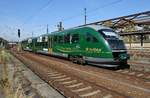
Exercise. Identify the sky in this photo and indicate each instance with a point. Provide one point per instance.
(32, 16)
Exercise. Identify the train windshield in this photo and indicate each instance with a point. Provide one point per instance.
(113, 39)
(108, 33)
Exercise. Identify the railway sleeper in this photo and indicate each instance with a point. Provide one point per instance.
(89, 94)
(75, 91)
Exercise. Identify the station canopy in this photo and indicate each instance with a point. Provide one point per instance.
(120, 22)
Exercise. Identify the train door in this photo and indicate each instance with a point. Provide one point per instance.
(75, 43)
(50, 41)
(45, 44)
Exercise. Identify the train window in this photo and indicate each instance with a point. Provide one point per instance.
(29, 40)
(108, 33)
(46, 38)
(67, 38)
(90, 38)
(60, 39)
(43, 39)
(94, 39)
(40, 39)
(75, 38)
(46, 44)
(50, 42)
(55, 39)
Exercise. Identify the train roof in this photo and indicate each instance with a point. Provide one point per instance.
(95, 27)
(29, 38)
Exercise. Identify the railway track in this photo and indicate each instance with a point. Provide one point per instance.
(138, 74)
(139, 53)
(89, 82)
(140, 66)
(70, 85)
(140, 60)
(129, 72)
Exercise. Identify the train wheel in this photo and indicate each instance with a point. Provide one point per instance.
(70, 57)
(73, 59)
(81, 61)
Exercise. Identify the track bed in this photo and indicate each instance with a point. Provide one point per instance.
(77, 81)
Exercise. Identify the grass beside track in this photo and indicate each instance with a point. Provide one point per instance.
(6, 84)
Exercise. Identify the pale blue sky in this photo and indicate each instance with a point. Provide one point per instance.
(33, 15)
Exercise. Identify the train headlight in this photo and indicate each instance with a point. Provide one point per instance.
(123, 56)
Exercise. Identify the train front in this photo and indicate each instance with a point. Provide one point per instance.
(116, 44)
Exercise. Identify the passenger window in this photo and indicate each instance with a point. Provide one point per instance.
(46, 38)
(90, 38)
(67, 38)
(75, 38)
(29, 41)
(95, 39)
(43, 39)
(55, 39)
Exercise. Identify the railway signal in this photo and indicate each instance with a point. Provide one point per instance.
(19, 33)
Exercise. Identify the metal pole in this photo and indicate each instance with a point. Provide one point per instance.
(47, 29)
(130, 41)
(32, 42)
(19, 44)
(85, 17)
(141, 40)
(60, 26)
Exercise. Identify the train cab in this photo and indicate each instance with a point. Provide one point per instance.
(116, 44)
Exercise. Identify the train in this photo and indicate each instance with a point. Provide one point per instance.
(91, 44)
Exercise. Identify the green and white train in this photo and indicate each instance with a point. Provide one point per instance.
(93, 44)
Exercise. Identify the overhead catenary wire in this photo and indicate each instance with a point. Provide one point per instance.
(92, 10)
(71, 17)
(105, 5)
(38, 11)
